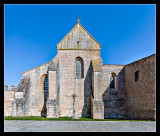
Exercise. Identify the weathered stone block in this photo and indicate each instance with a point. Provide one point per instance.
(98, 109)
(52, 111)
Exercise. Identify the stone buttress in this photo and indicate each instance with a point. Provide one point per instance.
(19, 106)
(53, 99)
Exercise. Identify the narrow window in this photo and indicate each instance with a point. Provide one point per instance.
(112, 82)
(137, 75)
(46, 83)
(79, 68)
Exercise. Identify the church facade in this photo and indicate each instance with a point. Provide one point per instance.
(76, 83)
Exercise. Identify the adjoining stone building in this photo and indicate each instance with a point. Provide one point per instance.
(76, 83)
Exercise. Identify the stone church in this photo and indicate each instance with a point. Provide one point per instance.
(76, 83)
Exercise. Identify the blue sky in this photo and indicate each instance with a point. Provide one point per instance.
(31, 33)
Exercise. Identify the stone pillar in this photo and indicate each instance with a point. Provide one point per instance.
(17, 108)
(20, 110)
(98, 109)
(52, 109)
(14, 109)
(52, 84)
(97, 102)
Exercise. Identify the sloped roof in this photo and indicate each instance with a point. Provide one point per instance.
(76, 26)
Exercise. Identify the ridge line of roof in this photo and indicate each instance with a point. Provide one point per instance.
(36, 67)
(141, 59)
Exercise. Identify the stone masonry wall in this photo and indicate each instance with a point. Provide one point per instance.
(141, 94)
(35, 92)
(113, 98)
(69, 85)
(8, 99)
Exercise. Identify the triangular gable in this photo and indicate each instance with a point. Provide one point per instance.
(78, 39)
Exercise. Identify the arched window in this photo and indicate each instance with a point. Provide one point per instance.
(46, 83)
(45, 91)
(112, 80)
(79, 68)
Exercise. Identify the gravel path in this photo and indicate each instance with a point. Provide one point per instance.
(78, 126)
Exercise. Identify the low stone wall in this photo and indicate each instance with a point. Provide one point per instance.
(8, 99)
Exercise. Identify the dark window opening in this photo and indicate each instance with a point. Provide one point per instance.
(46, 83)
(136, 75)
(112, 82)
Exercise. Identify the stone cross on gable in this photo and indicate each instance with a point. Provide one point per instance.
(78, 21)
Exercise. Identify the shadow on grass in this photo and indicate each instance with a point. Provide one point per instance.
(64, 119)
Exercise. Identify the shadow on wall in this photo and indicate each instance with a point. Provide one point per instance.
(113, 98)
(44, 109)
(86, 112)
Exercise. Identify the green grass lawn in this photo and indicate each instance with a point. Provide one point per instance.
(65, 119)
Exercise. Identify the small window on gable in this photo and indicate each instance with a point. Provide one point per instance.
(46, 83)
(137, 75)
